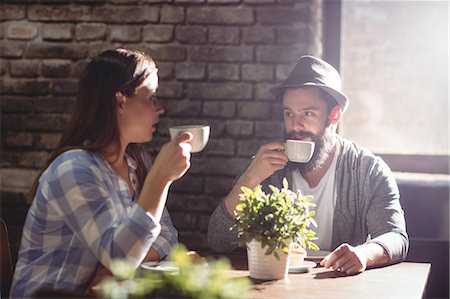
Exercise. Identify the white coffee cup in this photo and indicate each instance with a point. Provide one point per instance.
(298, 150)
(200, 135)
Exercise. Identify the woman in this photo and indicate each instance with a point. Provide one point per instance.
(95, 201)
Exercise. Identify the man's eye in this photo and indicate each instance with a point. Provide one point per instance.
(288, 114)
(309, 114)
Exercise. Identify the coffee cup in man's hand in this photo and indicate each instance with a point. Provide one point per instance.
(298, 150)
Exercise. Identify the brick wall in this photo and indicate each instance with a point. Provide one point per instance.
(216, 60)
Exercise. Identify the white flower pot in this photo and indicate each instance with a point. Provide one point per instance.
(266, 267)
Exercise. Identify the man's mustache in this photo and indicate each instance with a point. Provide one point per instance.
(300, 135)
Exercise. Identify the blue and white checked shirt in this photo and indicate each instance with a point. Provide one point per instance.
(82, 217)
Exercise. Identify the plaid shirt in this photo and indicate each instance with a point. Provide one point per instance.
(82, 217)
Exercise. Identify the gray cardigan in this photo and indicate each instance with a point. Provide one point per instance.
(367, 205)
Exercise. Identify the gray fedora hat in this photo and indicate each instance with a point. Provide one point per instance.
(312, 71)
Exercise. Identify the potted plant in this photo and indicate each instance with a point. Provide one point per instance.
(268, 223)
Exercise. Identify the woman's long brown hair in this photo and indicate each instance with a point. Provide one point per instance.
(93, 125)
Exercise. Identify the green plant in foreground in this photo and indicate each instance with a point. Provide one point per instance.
(192, 280)
(276, 218)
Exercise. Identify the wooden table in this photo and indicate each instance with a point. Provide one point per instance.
(404, 280)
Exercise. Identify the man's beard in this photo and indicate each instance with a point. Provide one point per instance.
(323, 148)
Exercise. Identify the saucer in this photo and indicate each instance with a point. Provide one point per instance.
(165, 266)
(303, 268)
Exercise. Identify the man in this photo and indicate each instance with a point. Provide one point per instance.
(358, 211)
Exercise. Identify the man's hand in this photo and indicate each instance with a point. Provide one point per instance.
(268, 159)
(351, 260)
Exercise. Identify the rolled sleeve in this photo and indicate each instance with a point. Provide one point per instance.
(168, 237)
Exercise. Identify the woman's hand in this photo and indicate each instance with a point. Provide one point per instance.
(171, 164)
(173, 160)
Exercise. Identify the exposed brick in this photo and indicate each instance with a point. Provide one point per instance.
(24, 31)
(158, 33)
(218, 185)
(15, 104)
(188, 184)
(182, 107)
(132, 14)
(284, 15)
(47, 122)
(11, 49)
(16, 179)
(65, 86)
(258, 35)
(274, 54)
(290, 35)
(170, 89)
(269, 129)
(248, 148)
(47, 141)
(197, 203)
(12, 12)
(59, 13)
(124, 2)
(239, 127)
(219, 166)
(282, 71)
(165, 53)
(193, 239)
(221, 53)
(219, 15)
(262, 92)
(57, 32)
(189, 71)
(223, 71)
(191, 34)
(261, 2)
(56, 68)
(223, 35)
(173, 15)
(221, 146)
(223, 1)
(183, 220)
(55, 50)
(252, 110)
(219, 109)
(95, 47)
(24, 68)
(25, 87)
(165, 70)
(257, 72)
(19, 140)
(225, 91)
(127, 34)
(190, 1)
(157, 1)
(4, 67)
(87, 31)
(13, 122)
(25, 159)
(203, 222)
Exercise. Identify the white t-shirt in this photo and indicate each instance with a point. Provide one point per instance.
(324, 196)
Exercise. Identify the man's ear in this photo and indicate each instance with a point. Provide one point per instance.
(335, 115)
(121, 99)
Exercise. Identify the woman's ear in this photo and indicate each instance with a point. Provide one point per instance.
(121, 99)
(335, 115)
